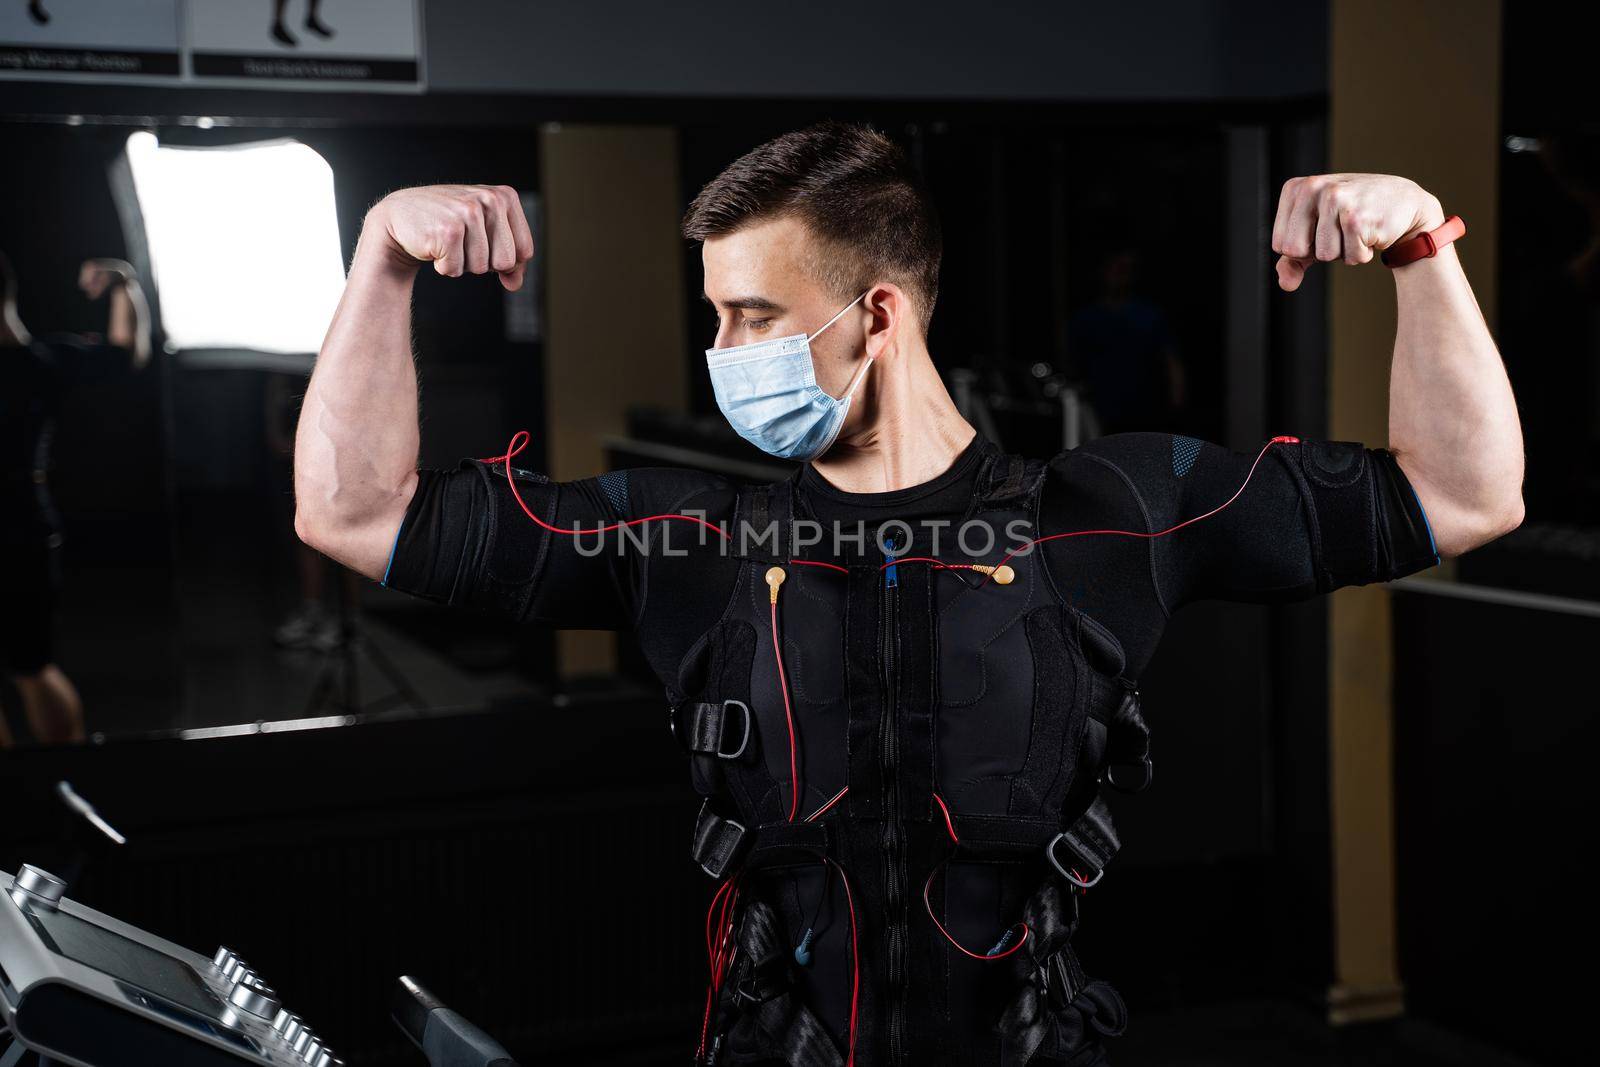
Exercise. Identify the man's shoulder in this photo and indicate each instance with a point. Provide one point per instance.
(1123, 474)
(1137, 454)
(635, 492)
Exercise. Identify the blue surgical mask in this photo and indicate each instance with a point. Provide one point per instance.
(768, 391)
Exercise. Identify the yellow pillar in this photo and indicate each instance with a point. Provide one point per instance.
(613, 264)
(1414, 89)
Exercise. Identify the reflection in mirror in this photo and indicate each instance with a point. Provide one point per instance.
(36, 374)
(1549, 304)
(157, 338)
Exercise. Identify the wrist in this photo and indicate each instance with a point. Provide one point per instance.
(379, 250)
(1430, 216)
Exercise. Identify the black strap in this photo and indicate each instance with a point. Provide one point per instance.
(762, 980)
(1122, 738)
(1082, 851)
(1010, 481)
(1000, 837)
(721, 844)
(761, 512)
(760, 997)
(1088, 843)
(1058, 1014)
(762, 522)
(721, 729)
(717, 841)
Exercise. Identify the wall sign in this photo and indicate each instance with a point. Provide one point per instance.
(326, 43)
(316, 44)
(81, 40)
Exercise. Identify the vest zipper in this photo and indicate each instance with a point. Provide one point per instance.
(895, 892)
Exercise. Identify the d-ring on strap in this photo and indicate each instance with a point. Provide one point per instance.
(1091, 840)
(705, 727)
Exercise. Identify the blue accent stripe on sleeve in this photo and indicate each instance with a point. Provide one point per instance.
(390, 566)
(1432, 544)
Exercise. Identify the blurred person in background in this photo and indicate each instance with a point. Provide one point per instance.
(35, 377)
(1126, 351)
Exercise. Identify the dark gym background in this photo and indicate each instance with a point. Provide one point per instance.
(520, 841)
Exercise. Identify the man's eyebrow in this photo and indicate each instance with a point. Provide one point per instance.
(748, 303)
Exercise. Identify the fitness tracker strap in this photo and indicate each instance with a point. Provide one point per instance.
(1424, 245)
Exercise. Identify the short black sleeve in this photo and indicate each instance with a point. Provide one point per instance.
(1303, 518)
(467, 542)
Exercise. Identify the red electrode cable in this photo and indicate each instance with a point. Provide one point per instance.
(719, 952)
(1282, 439)
(927, 903)
(820, 812)
(519, 441)
(855, 958)
(994, 571)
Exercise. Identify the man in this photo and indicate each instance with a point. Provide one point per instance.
(1125, 350)
(35, 376)
(879, 701)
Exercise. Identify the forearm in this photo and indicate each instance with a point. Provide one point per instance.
(357, 439)
(1453, 423)
(128, 324)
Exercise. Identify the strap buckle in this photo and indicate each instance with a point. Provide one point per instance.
(1069, 873)
(1055, 980)
(695, 739)
(1145, 772)
(1128, 747)
(760, 983)
(717, 841)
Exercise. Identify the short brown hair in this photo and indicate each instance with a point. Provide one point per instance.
(853, 188)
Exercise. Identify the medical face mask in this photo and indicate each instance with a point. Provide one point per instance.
(768, 391)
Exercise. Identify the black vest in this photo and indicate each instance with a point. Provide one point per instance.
(908, 685)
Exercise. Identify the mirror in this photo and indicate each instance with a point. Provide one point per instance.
(159, 332)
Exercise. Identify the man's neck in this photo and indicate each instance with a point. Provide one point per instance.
(912, 432)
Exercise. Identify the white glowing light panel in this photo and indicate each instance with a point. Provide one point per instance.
(244, 242)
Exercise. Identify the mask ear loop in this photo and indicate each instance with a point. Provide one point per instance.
(855, 380)
(836, 318)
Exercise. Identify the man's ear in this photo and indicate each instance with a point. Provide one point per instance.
(886, 306)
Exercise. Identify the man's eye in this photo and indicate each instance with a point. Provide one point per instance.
(757, 325)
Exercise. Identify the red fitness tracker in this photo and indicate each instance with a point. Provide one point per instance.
(1424, 245)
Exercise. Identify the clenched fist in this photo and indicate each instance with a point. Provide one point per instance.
(460, 229)
(1346, 216)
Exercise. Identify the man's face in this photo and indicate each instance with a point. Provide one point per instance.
(758, 282)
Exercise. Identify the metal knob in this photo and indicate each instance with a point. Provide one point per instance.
(290, 1029)
(281, 1020)
(256, 998)
(301, 1040)
(313, 1049)
(233, 968)
(38, 889)
(327, 1059)
(223, 957)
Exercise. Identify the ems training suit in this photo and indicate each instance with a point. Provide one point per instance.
(961, 727)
